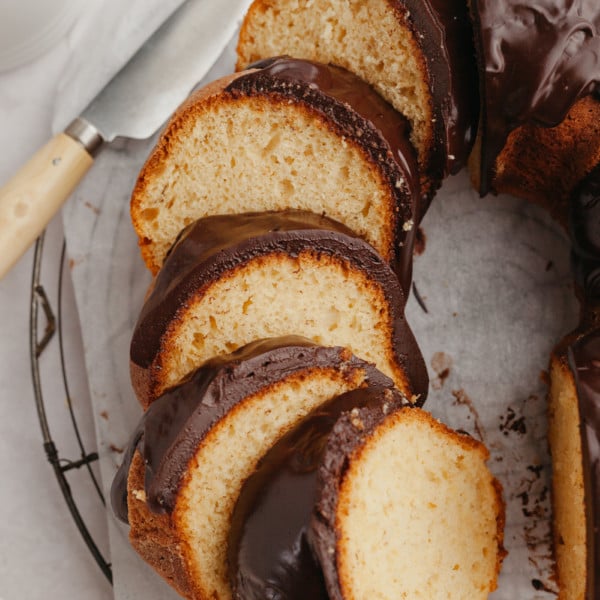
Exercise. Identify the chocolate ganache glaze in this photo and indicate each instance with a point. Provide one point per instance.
(213, 244)
(382, 131)
(584, 359)
(269, 554)
(585, 236)
(443, 28)
(171, 429)
(538, 58)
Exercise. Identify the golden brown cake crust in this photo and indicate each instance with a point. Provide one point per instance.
(543, 165)
(568, 495)
(153, 535)
(538, 125)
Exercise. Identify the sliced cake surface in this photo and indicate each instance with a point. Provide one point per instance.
(232, 279)
(287, 135)
(200, 441)
(417, 54)
(406, 508)
(269, 553)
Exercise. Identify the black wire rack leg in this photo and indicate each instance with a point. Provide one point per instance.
(37, 347)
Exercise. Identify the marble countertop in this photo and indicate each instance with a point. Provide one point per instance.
(42, 554)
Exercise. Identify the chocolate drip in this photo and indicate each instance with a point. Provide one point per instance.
(212, 245)
(171, 429)
(118, 488)
(330, 89)
(269, 552)
(538, 59)
(443, 27)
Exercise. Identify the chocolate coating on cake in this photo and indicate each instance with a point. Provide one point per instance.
(210, 246)
(269, 553)
(349, 433)
(585, 236)
(443, 28)
(537, 59)
(381, 130)
(174, 425)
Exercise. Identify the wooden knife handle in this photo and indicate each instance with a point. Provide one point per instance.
(36, 192)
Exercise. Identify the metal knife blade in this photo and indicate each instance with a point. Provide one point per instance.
(135, 103)
(105, 39)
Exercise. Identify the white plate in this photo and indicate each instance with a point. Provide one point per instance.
(28, 28)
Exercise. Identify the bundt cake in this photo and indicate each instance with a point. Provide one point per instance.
(574, 413)
(417, 54)
(287, 135)
(406, 508)
(196, 445)
(232, 279)
(539, 66)
(269, 552)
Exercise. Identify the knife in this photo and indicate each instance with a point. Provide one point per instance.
(134, 104)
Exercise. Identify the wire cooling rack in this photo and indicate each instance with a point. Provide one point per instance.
(46, 329)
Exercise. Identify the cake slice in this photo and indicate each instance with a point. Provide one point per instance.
(574, 412)
(233, 279)
(288, 135)
(198, 443)
(269, 553)
(570, 503)
(417, 54)
(406, 508)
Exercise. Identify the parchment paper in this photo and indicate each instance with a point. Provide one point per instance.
(494, 279)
